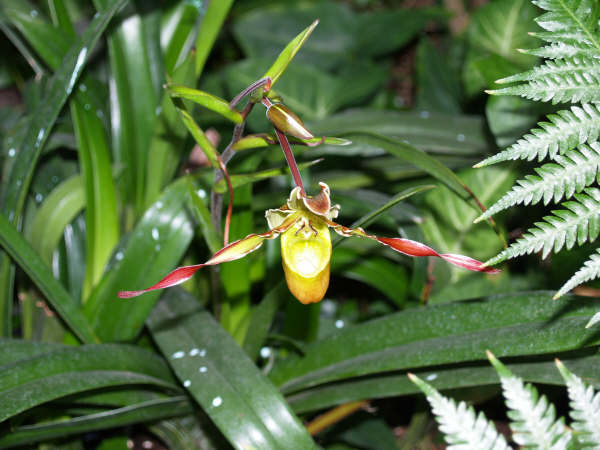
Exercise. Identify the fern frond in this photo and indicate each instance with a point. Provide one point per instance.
(571, 15)
(572, 80)
(463, 429)
(594, 320)
(571, 174)
(580, 223)
(566, 130)
(585, 404)
(557, 50)
(556, 69)
(532, 417)
(589, 271)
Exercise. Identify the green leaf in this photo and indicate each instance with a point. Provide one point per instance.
(63, 371)
(523, 324)
(154, 247)
(248, 410)
(168, 140)
(288, 53)
(197, 133)
(392, 384)
(135, 80)
(23, 254)
(148, 411)
(207, 100)
(32, 141)
(264, 31)
(430, 131)
(179, 25)
(209, 30)
(202, 215)
(58, 209)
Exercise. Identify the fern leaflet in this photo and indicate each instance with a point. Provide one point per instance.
(589, 271)
(580, 223)
(571, 174)
(574, 80)
(462, 428)
(566, 130)
(532, 417)
(585, 404)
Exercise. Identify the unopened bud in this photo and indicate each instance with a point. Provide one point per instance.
(287, 122)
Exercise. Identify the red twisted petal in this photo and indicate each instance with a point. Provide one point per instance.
(177, 276)
(414, 248)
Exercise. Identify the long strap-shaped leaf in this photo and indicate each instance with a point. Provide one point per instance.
(12, 199)
(23, 254)
(148, 411)
(241, 401)
(30, 382)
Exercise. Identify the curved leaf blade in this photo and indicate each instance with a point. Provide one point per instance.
(219, 375)
(30, 382)
(39, 272)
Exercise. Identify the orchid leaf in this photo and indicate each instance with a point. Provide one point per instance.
(206, 100)
(197, 133)
(288, 53)
(524, 324)
(159, 240)
(394, 384)
(25, 256)
(63, 371)
(147, 411)
(209, 30)
(57, 210)
(221, 378)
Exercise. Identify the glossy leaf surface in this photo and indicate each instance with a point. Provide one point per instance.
(248, 410)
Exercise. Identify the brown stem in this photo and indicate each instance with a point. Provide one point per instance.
(266, 82)
(334, 416)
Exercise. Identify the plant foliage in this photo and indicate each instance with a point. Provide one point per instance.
(571, 74)
(533, 419)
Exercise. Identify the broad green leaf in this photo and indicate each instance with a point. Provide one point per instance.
(427, 130)
(523, 324)
(417, 157)
(262, 319)
(32, 141)
(210, 27)
(191, 432)
(241, 401)
(240, 179)
(168, 140)
(135, 80)
(37, 30)
(25, 256)
(438, 83)
(393, 384)
(288, 53)
(30, 382)
(265, 31)
(148, 411)
(178, 30)
(399, 26)
(154, 247)
(56, 211)
(380, 273)
(496, 32)
(202, 215)
(206, 100)
(102, 225)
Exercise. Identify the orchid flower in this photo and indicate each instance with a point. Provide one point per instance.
(303, 223)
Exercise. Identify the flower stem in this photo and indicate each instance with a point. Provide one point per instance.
(287, 151)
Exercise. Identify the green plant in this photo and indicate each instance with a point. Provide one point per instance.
(569, 138)
(533, 417)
